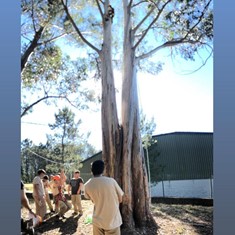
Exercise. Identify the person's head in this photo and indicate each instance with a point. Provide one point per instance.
(41, 173)
(76, 174)
(45, 178)
(97, 167)
(56, 178)
(51, 177)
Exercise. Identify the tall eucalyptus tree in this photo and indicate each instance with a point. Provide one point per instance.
(181, 26)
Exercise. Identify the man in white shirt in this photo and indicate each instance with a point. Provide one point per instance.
(39, 194)
(106, 195)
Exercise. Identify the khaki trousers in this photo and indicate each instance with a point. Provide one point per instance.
(100, 231)
(56, 206)
(41, 207)
(76, 201)
(48, 201)
(63, 207)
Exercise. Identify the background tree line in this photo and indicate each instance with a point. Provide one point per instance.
(66, 148)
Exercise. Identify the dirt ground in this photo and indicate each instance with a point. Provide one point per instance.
(171, 220)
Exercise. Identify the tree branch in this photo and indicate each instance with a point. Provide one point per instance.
(138, 3)
(203, 64)
(199, 20)
(100, 10)
(143, 20)
(150, 25)
(34, 26)
(173, 42)
(77, 29)
(166, 44)
(44, 98)
(150, 1)
(31, 48)
(52, 39)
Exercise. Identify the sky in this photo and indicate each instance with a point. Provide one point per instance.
(177, 102)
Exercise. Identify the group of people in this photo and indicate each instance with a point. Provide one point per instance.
(104, 192)
(57, 185)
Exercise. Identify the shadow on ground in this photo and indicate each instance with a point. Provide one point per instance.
(199, 217)
(66, 226)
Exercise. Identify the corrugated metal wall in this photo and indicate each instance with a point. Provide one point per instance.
(85, 171)
(182, 155)
(175, 156)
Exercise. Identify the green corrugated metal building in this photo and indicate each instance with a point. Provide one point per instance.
(85, 171)
(174, 156)
(181, 156)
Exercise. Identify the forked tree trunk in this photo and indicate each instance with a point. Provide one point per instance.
(122, 147)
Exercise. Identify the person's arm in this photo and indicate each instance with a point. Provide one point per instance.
(25, 202)
(50, 185)
(80, 186)
(47, 184)
(119, 191)
(69, 189)
(62, 177)
(86, 193)
(36, 190)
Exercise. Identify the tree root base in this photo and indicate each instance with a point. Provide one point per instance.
(151, 229)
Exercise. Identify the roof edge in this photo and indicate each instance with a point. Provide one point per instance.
(183, 132)
(91, 157)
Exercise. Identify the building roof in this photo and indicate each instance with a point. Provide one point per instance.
(90, 158)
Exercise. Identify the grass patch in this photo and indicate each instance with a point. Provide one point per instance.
(28, 187)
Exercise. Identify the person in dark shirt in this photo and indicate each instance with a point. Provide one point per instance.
(75, 189)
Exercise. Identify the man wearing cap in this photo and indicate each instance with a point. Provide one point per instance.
(39, 194)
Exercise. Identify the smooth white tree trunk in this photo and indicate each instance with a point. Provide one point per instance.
(135, 209)
(111, 132)
(122, 146)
